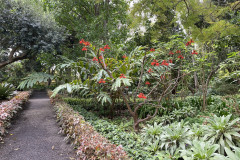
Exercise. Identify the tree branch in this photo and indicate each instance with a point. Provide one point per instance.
(13, 59)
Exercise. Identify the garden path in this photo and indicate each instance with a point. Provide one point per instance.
(34, 134)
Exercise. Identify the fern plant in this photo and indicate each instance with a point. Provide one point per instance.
(34, 78)
(224, 132)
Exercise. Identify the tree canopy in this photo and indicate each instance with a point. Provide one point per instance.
(25, 31)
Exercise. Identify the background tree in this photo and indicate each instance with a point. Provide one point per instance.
(26, 31)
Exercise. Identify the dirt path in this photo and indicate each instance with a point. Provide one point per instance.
(34, 135)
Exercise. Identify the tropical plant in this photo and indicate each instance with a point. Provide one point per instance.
(6, 90)
(151, 133)
(200, 151)
(198, 130)
(224, 132)
(34, 78)
(174, 136)
(231, 155)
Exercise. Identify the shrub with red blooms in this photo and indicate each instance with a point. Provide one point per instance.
(152, 49)
(122, 76)
(178, 51)
(180, 57)
(9, 109)
(106, 47)
(84, 49)
(164, 63)
(141, 95)
(194, 52)
(94, 59)
(147, 83)
(150, 70)
(137, 68)
(90, 144)
(189, 42)
(155, 63)
(102, 81)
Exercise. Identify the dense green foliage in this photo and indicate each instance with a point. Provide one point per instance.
(177, 139)
(160, 78)
(25, 32)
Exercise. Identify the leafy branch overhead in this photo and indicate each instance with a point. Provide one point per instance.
(34, 78)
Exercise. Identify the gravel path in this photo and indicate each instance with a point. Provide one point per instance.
(34, 135)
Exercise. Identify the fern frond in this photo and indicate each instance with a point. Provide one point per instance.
(34, 78)
(69, 87)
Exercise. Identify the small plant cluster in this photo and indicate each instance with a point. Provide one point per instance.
(9, 109)
(91, 145)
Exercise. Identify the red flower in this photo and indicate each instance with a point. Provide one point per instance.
(95, 59)
(84, 49)
(106, 47)
(147, 83)
(180, 57)
(164, 63)
(188, 44)
(102, 81)
(86, 43)
(124, 56)
(178, 51)
(155, 63)
(141, 95)
(152, 49)
(191, 41)
(150, 70)
(100, 57)
(122, 76)
(170, 61)
(81, 41)
(101, 49)
(171, 53)
(194, 52)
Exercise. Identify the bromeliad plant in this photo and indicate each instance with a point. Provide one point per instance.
(201, 151)
(144, 77)
(224, 132)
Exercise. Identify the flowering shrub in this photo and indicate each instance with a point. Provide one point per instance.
(128, 78)
(9, 109)
(91, 145)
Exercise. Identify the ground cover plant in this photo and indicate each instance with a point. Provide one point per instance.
(176, 138)
(10, 108)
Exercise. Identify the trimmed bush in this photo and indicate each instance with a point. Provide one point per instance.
(9, 109)
(91, 145)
